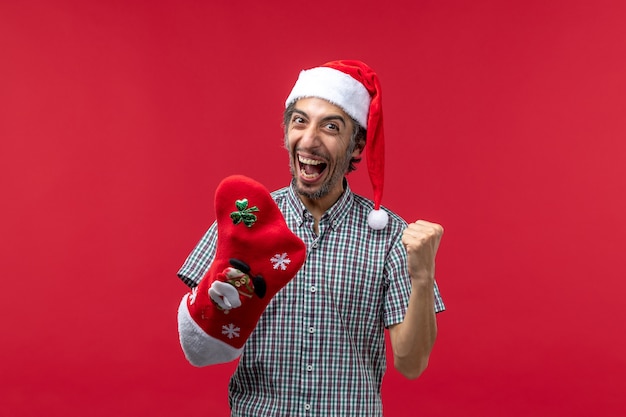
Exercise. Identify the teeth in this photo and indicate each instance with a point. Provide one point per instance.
(308, 161)
(308, 176)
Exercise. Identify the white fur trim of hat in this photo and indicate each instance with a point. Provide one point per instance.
(336, 87)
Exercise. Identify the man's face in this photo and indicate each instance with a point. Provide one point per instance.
(318, 140)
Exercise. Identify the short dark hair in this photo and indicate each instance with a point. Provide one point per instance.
(357, 139)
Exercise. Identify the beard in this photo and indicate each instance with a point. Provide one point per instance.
(340, 170)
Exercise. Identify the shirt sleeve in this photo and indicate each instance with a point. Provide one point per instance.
(199, 260)
(439, 305)
(398, 284)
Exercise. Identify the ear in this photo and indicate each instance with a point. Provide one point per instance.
(360, 146)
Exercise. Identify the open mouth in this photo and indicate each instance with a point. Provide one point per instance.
(311, 169)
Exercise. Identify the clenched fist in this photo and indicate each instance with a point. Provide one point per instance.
(421, 240)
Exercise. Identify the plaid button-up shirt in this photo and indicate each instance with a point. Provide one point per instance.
(319, 347)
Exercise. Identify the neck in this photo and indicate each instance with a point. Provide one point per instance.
(318, 206)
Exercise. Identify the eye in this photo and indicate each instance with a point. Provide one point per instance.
(297, 120)
(332, 126)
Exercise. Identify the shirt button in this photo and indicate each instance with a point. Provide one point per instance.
(309, 368)
(313, 289)
(311, 329)
(314, 245)
(307, 407)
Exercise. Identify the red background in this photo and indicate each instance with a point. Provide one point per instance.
(505, 122)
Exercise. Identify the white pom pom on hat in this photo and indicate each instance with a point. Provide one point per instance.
(353, 86)
(377, 219)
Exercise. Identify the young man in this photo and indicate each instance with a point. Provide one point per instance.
(318, 349)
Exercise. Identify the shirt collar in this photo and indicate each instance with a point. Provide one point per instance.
(333, 216)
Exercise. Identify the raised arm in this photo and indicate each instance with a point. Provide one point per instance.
(413, 339)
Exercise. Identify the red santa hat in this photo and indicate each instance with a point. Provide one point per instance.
(353, 86)
(256, 256)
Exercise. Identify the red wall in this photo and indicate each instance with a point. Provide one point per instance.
(505, 121)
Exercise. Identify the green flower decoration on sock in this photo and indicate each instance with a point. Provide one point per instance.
(243, 213)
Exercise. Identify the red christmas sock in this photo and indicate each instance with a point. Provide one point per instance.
(256, 256)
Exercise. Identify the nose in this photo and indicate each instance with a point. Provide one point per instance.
(310, 137)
